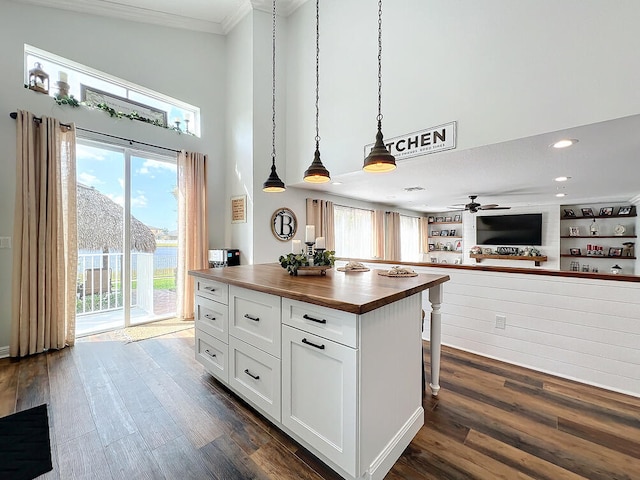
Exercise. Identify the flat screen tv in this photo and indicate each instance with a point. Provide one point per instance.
(525, 229)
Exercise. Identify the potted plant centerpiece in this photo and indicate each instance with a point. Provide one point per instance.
(321, 258)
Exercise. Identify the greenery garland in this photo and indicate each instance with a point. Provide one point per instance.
(71, 101)
(292, 261)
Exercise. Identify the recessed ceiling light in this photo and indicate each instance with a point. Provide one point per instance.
(564, 143)
(336, 183)
(561, 194)
(561, 179)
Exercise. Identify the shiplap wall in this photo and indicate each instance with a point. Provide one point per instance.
(586, 330)
(582, 329)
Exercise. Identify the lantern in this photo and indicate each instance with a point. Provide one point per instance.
(38, 79)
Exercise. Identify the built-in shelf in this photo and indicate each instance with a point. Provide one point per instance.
(445, 251)
(537, 260)
(598, 216)
(598, 236)
(597, 256)
(447, 223)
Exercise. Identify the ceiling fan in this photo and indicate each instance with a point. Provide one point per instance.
(474, 206)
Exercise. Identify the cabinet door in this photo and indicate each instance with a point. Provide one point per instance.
(212, 353)
(319, 392)
(216, 291)
(212, 317)
(254, 317)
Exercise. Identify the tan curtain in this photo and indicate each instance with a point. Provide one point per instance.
(392, 236)
(424, 235)
(45, 253)
(378, 234)
(193, 237)
(320, 214)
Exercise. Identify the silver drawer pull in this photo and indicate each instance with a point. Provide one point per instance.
(210, 354)
(318, 320)
(209, 317)
(255, 377)
(321, 347)
(211, 289)
(255, 319)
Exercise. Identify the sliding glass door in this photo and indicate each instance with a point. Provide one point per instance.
(127, 237)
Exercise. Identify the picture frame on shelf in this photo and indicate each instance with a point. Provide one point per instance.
(574, 231)
(575, 251)
(430, 220)
(587, 212)
(439, 219)
(432, 247)
(569, 213)
(452, 233)
(626, 210)
(435, 233)
(457, 261)
(606, 211)
(444, 233)
(615, 251)
(457, 218)
(434, 259)
(458, 246)
(448, 219)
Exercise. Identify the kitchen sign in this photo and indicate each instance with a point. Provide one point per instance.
(430, 140)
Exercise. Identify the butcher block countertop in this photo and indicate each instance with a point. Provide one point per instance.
(353, 292)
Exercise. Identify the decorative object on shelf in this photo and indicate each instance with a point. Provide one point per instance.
(452, 233)
(432, 247)
(273, 184)
(63, 86)
(433, 260)
(317, 173)
(38, 79)
(593, 229)
(615, 251)
(628, 249)
(457, 261)
(448, 219)
(457, 218)
(606, 211)
(67, 100)
(284, 224)
(625, 210)
(475, 250)
(487, 251)
(398, 271)
(575, 251)
(619, 230)
(574, 231)
(430, 220)
(379, 159)
(444, 233)
(574, 266)
(458, 246)
(587, 212)
(435, 233)
(117, 106)
(509, 251)
(616, 269)
(585, 268)
(353, 267)
(569, 213)
(292, 262)
(439, 219)
(594, 270)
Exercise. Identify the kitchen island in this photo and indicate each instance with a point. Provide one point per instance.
(334, 361)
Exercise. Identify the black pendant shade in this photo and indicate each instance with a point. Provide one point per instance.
(317, 173)
(273, 183)
(379, 159)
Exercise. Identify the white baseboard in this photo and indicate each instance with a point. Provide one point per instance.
(4, 351)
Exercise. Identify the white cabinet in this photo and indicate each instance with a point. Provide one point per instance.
(255, 318)
(211, 316)
(319, 393)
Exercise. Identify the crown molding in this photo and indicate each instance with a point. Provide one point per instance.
(636, 200)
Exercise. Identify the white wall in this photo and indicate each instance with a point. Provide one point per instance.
(504, 70)
(186, 65)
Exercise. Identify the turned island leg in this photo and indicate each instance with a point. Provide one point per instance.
(435, 297)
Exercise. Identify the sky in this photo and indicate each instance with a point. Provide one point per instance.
(152, 183)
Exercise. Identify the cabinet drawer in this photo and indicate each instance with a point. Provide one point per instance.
(212, 318)
(255, 375)
(254, 317)
(211, 289)
(213, 354)
(336, 325)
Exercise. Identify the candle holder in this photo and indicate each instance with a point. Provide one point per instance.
(310, 252)
(186, 125)
(63, 88)
(177, 122)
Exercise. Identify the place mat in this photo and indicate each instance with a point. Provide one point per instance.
(25, 448)
(153, 329)
(343, 269)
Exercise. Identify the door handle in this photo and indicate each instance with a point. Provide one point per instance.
(321, 347)
(210, 354)
(255, 377)
(255, 319)
(209, 317)
(318, 320)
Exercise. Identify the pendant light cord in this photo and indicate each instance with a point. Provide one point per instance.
(273, 90)
(379, 63)
(317, 70)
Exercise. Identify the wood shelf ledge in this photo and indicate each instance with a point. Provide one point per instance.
(537, 260)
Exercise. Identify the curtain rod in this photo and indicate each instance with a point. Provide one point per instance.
(14, 115)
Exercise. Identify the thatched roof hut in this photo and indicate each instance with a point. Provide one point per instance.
(100, 223)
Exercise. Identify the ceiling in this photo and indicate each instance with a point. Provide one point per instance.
(213, 16)
(603, 166)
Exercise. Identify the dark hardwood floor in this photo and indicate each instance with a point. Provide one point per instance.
(148, 410)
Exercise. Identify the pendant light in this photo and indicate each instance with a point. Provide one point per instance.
(273, 183)
(317, 173)
(379, 159)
